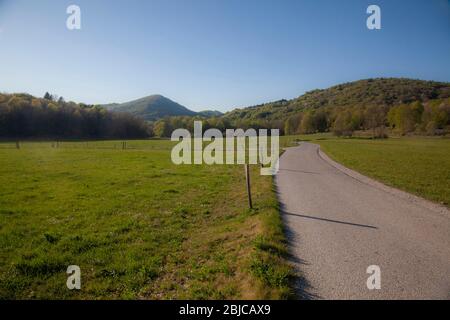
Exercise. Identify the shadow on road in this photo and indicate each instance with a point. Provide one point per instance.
(328, 220)
(302, 287)
(298, 171)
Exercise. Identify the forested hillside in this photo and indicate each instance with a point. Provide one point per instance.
(359, 94)
(374, 105)
(151, 108)
(378, 106)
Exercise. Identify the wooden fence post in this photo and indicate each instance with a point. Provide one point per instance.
(247, 178)
(17, 144)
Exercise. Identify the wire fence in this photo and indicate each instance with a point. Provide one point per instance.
(122, 145)
(101, 145)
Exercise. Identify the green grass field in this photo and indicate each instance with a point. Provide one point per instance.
(414, 164)
(138, 226)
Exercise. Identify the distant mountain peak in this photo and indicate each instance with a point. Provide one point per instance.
(152, 107)
(157, 106)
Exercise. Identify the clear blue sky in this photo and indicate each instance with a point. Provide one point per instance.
(215, 54)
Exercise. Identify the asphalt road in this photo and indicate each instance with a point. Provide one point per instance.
(339, 224)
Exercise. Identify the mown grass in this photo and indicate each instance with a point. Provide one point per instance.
(419, 165)
(138, 226)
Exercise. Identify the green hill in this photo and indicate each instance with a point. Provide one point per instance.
(157, 107)
(210, 113)
(363, 93)
(153, 107)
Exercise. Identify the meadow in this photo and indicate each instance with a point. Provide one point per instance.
(138, 226)
(141, 227)
(419, 165)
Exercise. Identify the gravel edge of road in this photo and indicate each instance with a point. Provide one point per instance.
(427, 204)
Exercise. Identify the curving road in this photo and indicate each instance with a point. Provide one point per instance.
(339, 222)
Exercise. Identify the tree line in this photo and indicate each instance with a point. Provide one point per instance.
(360, 105)
(25, 116)
(165, 127)
(429, 118)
